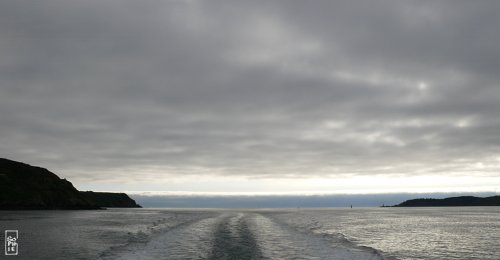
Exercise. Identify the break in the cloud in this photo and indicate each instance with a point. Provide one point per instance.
(160, 95)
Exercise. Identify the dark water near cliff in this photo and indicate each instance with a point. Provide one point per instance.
(370, 233)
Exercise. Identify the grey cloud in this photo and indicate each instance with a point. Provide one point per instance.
(260, 89)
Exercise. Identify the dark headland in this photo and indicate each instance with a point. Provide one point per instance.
(462, 201)
(110, 199)
(23, 186)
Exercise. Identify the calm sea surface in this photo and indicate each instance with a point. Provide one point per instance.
(364, 233)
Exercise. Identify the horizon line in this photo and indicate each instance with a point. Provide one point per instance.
(293, 193)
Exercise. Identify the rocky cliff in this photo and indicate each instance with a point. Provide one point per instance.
(110, 200)
(23, 186)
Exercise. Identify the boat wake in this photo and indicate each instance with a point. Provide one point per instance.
(237, 235)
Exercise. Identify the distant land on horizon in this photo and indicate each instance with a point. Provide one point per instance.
(24, 186)
(462, 201)
(28, 187)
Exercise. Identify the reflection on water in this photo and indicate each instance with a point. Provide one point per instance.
(425, 233)
(408, 233)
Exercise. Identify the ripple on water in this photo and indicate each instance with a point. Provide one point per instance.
(277, 241)
(238, 236)
(234, 240)
(191, 240)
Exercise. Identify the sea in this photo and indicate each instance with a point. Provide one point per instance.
(298, 233)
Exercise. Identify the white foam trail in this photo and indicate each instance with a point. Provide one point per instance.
(279, 242)
(193, 241)
(243, 235)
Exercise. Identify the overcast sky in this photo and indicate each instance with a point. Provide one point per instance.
(254, 96)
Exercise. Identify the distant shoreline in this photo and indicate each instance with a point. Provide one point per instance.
(462, 201)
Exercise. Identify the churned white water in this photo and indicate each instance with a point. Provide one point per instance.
(365, 233)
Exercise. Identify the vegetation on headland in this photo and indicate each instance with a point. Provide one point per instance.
(452, 202)
(110, 199)
(23, 186)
